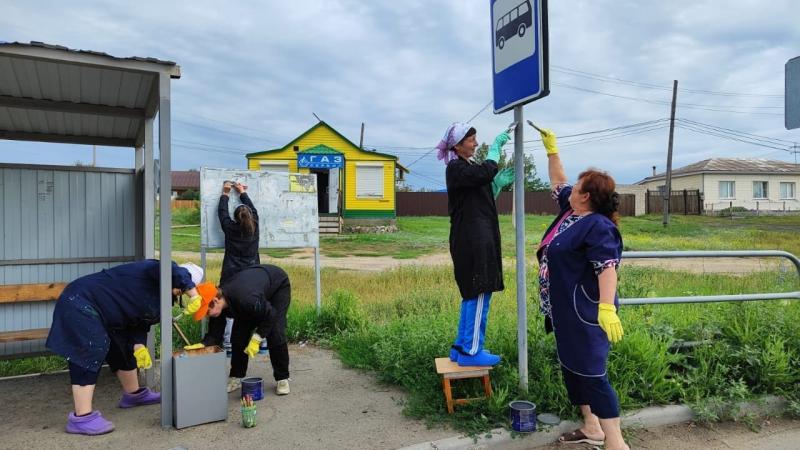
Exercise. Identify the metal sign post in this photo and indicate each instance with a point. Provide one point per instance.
(520, 75)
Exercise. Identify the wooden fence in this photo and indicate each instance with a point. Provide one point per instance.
(435, 203)
(687, 202)
(185, 204)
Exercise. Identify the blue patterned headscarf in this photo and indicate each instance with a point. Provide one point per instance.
(454, 134)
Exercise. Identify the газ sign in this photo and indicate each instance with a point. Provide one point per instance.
(311, 161)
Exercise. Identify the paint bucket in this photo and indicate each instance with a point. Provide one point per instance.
(254, 387)
(249, 416)
(523, 416)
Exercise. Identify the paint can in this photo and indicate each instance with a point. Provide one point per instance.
(253, 387)
(523, 416)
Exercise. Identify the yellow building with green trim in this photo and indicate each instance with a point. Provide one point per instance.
(351, 182)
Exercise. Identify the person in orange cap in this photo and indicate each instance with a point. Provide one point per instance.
(258, 299)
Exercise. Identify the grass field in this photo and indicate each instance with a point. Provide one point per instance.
(426, 235)
(396, 322)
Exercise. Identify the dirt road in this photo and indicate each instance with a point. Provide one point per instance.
(305, 258)
(330, 407)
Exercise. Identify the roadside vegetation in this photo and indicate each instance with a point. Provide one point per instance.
(395, 323)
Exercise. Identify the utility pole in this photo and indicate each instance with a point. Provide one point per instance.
(361, 142)
(668, 182)
(94, 156)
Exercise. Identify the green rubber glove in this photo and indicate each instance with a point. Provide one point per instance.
(193, 306)
(252, 347)
(609, 322)
(497, 146)
(501, 180)
(549, 141)
(143, 360)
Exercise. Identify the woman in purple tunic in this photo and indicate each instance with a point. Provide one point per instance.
(578, 259)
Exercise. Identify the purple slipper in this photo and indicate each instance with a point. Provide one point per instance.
(91, 424)
(144, 396)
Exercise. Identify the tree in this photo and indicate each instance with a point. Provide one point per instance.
(189, 194)
(532, 180)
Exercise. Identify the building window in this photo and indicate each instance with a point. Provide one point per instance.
(787, 191)
(275, 166)
(727, 189)
(369, 181)
(760, 189)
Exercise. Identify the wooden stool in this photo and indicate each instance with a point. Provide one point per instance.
(450, 370)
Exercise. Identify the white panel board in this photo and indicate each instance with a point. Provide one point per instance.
(286, 205)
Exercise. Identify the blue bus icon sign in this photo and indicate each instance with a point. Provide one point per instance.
(515, 22)
(519, 52)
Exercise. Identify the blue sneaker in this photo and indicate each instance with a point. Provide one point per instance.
(453, 355)
(482, 358)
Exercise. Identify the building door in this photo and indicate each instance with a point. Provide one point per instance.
(323, 185)
(333, 191)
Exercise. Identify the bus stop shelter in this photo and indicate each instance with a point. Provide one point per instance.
(54, 94)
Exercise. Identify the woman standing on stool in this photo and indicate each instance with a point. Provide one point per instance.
(578, 260)
(241, 251)
(474, 236)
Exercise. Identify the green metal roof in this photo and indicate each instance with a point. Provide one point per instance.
(321, 149)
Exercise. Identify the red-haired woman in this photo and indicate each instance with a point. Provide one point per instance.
(578, 259)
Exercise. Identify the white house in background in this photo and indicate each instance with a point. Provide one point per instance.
(755, 184)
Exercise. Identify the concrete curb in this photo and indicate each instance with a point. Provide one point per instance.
(650, 417)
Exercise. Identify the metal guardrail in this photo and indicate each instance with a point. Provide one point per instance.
(713, 254)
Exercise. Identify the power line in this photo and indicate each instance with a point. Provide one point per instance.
(479, 112)
(662, 102)
(696, 129)
(468, 121)
(432, 180)
(604, 78)
(744, 134)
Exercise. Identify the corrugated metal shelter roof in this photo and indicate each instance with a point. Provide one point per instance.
(185, 179)
(51, 93)
(731, 165)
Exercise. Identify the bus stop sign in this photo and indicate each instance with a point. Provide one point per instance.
(519, 52)
(792, 94)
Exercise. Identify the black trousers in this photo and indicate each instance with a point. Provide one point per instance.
(276, 337)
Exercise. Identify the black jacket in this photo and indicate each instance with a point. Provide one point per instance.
(474, 229)
(240, 250)
(249, 294)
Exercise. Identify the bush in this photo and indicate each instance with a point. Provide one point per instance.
(189, 194)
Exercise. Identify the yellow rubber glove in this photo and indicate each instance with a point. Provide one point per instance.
(143, 360)
(609, 322)
(193, 346)
(193, 306)
(549, 141)
(252, 347)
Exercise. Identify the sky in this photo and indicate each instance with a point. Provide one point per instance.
(254, 74)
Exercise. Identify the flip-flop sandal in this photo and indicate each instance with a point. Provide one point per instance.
(577, 437)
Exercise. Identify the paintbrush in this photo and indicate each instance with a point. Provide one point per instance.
(537, 128)
(175, 324)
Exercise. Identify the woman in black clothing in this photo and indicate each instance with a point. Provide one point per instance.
(258, 299)
(241, 235)
(241, 251)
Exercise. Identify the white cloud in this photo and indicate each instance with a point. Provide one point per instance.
(410, 68)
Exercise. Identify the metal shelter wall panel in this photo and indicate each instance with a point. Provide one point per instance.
(58, 214)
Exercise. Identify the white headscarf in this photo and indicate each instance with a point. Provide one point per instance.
(454, 134)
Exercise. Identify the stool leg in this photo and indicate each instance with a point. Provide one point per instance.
(487, 386)
(448, 394)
